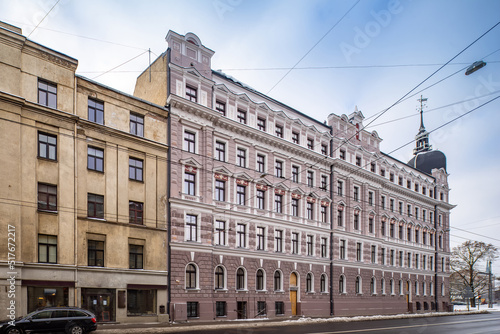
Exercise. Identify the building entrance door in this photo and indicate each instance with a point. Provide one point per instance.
(241, 309)
(293, 292)
(100, 302)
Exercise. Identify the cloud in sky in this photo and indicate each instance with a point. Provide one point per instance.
(276, 34)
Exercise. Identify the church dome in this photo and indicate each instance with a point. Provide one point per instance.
(428, 160)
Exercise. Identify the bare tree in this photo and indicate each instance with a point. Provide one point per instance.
(464, 264)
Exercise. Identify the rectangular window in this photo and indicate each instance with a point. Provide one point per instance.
(47, 146)
(417, 187)
(382, 256)
(261, 203)
(295, 243)
(279, 131)
(261, 308)
(370, 225)
(47, 197)
(391, 231)
(141, 302)
(342, 250)
(401, 232)
(408, 260)
(382, 202)
(358, 161)
(278, 241)
(342, 154)
(392, 257)
(295, 137)
(324, 182)
(340, 188)
(340, 216)
(400, 258)
(95, 159)
(47, 248)
(424, 262)
(192, 310)
(47, 94)
(136, 254)
(278, 203)
(137, 125)
(373, 167)
(382, 172)
(261, 238)
(356, 194)
(241, 192)
(220, 107)
(220, 190)
(391, 177)
(417, 262)
(135, 167)
(189, 141)
(374, 254)
(220, 309)
(416, 213)
(324, 149)
(191, 94)
(408, 184)
(220, 233)
(190, 184)
(261, 163)
(135, 212)
(295, 207)
(279, 169)
(95, 253)
(324, 214)
(261, 124)
(241, 157)
(324, 248)
(95, 206)
(241, 236)
(242, 116)
(279, 307)
(310, 210)
(310, 143)
(191, 228)
(400, 180)
(295, 174)
(358, 251)
(310, 178)
(220, 151)
(310, 245)
(400, 208)
(382, 228)
(370, 198)
(391, 205)
(96, 111)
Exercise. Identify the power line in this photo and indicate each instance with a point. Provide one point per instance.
(120, 65)
(480, 235)
(32, 31)
(333, 27)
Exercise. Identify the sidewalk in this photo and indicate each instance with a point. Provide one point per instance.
(153, 328)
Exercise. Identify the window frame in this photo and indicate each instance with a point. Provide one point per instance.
(135, 165)
(95, 111)
(220, 233)
(278, 130)
(191, 93)
(261, 163)
(261, 124)
(189, 141)
(95, 159)
(261, 199)
(190, 184)
(96, 251)
(191, 225)
(241, 116)
(220, 151)
(241, 157)
(47, 146)
(136, 212)
(97, 201)
(50, 193)
(220, 107)
(49, 91)
(241, 194)
(220, 190)
(51, 248)
(136, 252)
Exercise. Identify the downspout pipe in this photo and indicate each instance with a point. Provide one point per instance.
(436, 253)
(332, 211)
(169, 170)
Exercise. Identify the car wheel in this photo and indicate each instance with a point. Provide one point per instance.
(14, 331)
(76, 329)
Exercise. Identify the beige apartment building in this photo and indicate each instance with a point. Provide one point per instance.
(83, 189)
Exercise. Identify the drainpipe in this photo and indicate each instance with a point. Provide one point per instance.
(75, 189)
(435, 253)
(169, 167)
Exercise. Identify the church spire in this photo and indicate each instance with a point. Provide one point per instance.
(422, 137)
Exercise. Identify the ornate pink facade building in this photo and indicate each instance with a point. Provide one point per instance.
(272, 213)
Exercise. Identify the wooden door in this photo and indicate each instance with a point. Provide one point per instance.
(293, 292)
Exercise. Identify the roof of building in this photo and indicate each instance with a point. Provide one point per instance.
(428, 160)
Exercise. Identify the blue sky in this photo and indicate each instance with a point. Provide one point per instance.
(371, 58)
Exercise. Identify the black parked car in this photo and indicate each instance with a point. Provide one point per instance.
(71, 320)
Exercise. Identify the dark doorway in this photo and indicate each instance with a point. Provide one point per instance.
(241, 309)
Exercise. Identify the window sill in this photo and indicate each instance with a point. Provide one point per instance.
(96, 171)
(193, 290)
(96, 218)
(48, 211)
(47, 159)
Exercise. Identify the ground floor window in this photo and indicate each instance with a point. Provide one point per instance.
(141, 302)
(39, 297)
(192, 309)
(261, 308)
(280, 308)
(220, 309)
(101, 302)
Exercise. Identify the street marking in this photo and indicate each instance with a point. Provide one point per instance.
(401, 327)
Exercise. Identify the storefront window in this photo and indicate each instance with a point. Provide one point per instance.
(141, 302)
(39, 297)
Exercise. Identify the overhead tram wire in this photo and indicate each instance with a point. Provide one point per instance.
(32, 31)
(319, 41)
(128, 61)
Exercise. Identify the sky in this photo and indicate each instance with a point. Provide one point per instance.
(321, 57)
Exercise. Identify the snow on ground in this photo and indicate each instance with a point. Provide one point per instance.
(484, 307)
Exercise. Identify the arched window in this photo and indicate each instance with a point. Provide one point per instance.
(260, 280)
(382, 286)
(357, 285)
(322, 283)
(416, 288)
(424, 289)
(342, 284)
(191, 276)
(219, 278)
(400, 287)
(277, 280)
(309, 283)
(240, 279)
(431, 289)
(373, 287)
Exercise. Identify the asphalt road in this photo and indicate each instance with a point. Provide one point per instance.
(458, 324)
